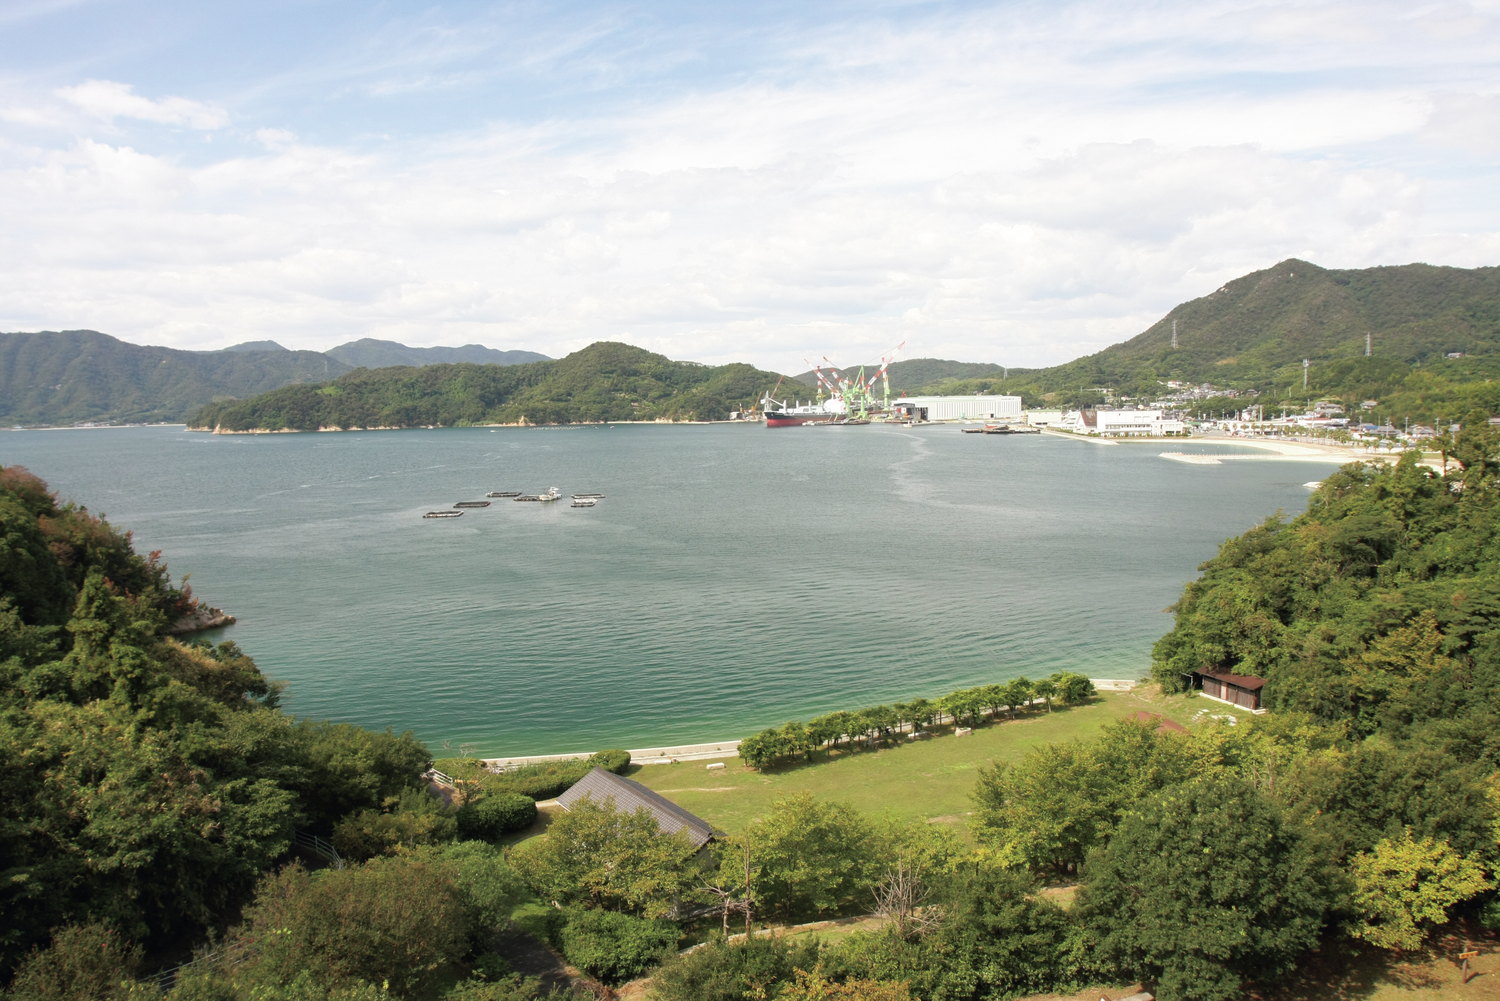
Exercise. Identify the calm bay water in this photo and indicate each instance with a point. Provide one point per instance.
(734, 577)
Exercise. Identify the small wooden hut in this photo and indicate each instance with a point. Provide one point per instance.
(1241, 690)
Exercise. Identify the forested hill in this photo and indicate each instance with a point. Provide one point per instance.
(367, 352)
(82, 375)
(73, 376)
(1254, 332)
(603, 382)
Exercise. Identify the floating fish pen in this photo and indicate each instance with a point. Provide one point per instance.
(443, 514)
(588, 496)
(472, 504)
(503, 493)
(550, 495)
(584, 501)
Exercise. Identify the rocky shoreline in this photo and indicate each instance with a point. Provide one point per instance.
(203, 618)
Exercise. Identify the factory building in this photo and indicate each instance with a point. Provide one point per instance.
(956, 408)
(1121, 423)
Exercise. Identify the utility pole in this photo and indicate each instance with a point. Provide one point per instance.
(1174, 335)
(1304, 376)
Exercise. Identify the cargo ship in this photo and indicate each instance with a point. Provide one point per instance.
(807, 413)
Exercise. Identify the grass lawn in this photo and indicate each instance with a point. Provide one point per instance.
(928, 779)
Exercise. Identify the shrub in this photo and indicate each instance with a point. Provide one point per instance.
(604, 857)
(719, 971)
(510, 988)
(814, 987)
(540, 781)
(83, 963)
(616, 947)
(390, 920)
(616, 761)
(415, 818)
(489, 886)
(495, 814)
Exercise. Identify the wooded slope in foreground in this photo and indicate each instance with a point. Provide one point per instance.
(603, 382)
(152, 789)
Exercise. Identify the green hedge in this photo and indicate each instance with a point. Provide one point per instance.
(496, 814)
(616, 947)
(552, 778)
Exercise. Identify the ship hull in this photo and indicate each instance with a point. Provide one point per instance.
(775, 420)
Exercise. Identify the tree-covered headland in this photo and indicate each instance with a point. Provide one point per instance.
(603, 382)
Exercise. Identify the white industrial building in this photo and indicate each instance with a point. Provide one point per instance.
(1118, 423)
(957, 408)
(1043, 418)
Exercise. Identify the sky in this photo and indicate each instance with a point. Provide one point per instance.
(774, 182)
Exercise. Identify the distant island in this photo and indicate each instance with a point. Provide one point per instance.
(76, 376)
(603, 382)
(1414, 341)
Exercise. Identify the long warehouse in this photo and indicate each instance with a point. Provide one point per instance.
(956, 408)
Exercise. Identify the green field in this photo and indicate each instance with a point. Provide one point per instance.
(929, 779)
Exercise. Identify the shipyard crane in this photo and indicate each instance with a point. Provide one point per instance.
(885, 364)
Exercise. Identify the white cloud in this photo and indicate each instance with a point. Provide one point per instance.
(990, 187)
(108, 100)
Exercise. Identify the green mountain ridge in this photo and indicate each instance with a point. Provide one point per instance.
(605, 381)
(367, 352)
(77, 376)
(72, 376)
(1252, 334)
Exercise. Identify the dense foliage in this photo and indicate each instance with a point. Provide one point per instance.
(878, 725)
(603, 382)
(1378, 607)
(145, 783)
(616, 947)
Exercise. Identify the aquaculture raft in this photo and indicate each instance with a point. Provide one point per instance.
(472, 504)
(443, 514)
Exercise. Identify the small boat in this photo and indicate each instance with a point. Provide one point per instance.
(584, 501)
(586, 496)
(503, 493)
(472, 504)
(443, 514)
(552, 494)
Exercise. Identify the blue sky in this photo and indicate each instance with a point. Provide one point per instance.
(1010, 182)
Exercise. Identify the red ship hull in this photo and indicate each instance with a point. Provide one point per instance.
(774, 420)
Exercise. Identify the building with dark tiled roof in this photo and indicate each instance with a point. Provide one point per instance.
(628, 797)
(1241, 690)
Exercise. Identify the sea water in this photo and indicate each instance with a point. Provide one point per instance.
(733, 577)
